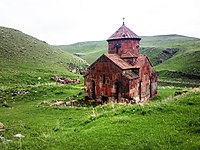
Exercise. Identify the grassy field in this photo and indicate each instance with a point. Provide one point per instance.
(166, 122)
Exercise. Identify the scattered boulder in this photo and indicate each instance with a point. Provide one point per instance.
(73, 71)
(179, 93)
(17, 92)
(18, 136)
(76, 68)
(78, 102)
(75, 102)
(64, 80)
(59, 103)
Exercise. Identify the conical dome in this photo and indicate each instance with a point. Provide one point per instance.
(123, 33)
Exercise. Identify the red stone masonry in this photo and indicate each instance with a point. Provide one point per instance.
(122, 75)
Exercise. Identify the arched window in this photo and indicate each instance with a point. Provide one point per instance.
(117, 46)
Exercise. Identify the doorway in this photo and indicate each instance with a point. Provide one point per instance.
(140, 90)
(117, 91)
(93, 90)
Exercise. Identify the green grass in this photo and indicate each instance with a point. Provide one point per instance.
(165, 122)
(25, 58)
(160, 124)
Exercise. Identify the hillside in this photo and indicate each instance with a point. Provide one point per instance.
(24, 59)
(172, 55)
(89, 51)
(185, 63)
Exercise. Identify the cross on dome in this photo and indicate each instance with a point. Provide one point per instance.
(123, 20)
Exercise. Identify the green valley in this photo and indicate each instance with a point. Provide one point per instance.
(170, 120)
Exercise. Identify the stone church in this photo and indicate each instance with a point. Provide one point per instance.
(122, 75)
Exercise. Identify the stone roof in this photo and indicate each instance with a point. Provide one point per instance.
(123, 33)
(115, 59)
(118, 61)
(141, 60)
(123, 64)
(128, 55)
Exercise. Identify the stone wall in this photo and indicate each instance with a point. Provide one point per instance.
(154, 83)
(104, 76)
(123, 46)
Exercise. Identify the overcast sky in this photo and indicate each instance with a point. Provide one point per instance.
(69, 21)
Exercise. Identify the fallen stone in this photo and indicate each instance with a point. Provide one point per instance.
(64, 80)
(17, 92)
(59, 103)
(18, 136)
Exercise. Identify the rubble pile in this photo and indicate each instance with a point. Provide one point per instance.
(64, 80)
(17, 92)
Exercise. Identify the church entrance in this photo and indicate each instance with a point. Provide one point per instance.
(140, 92)
(117, 91)
(93, 90)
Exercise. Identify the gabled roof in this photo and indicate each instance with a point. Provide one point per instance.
(141, 60)
(115, 59)
(123, 33)
(128, 55)
(118, 61)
